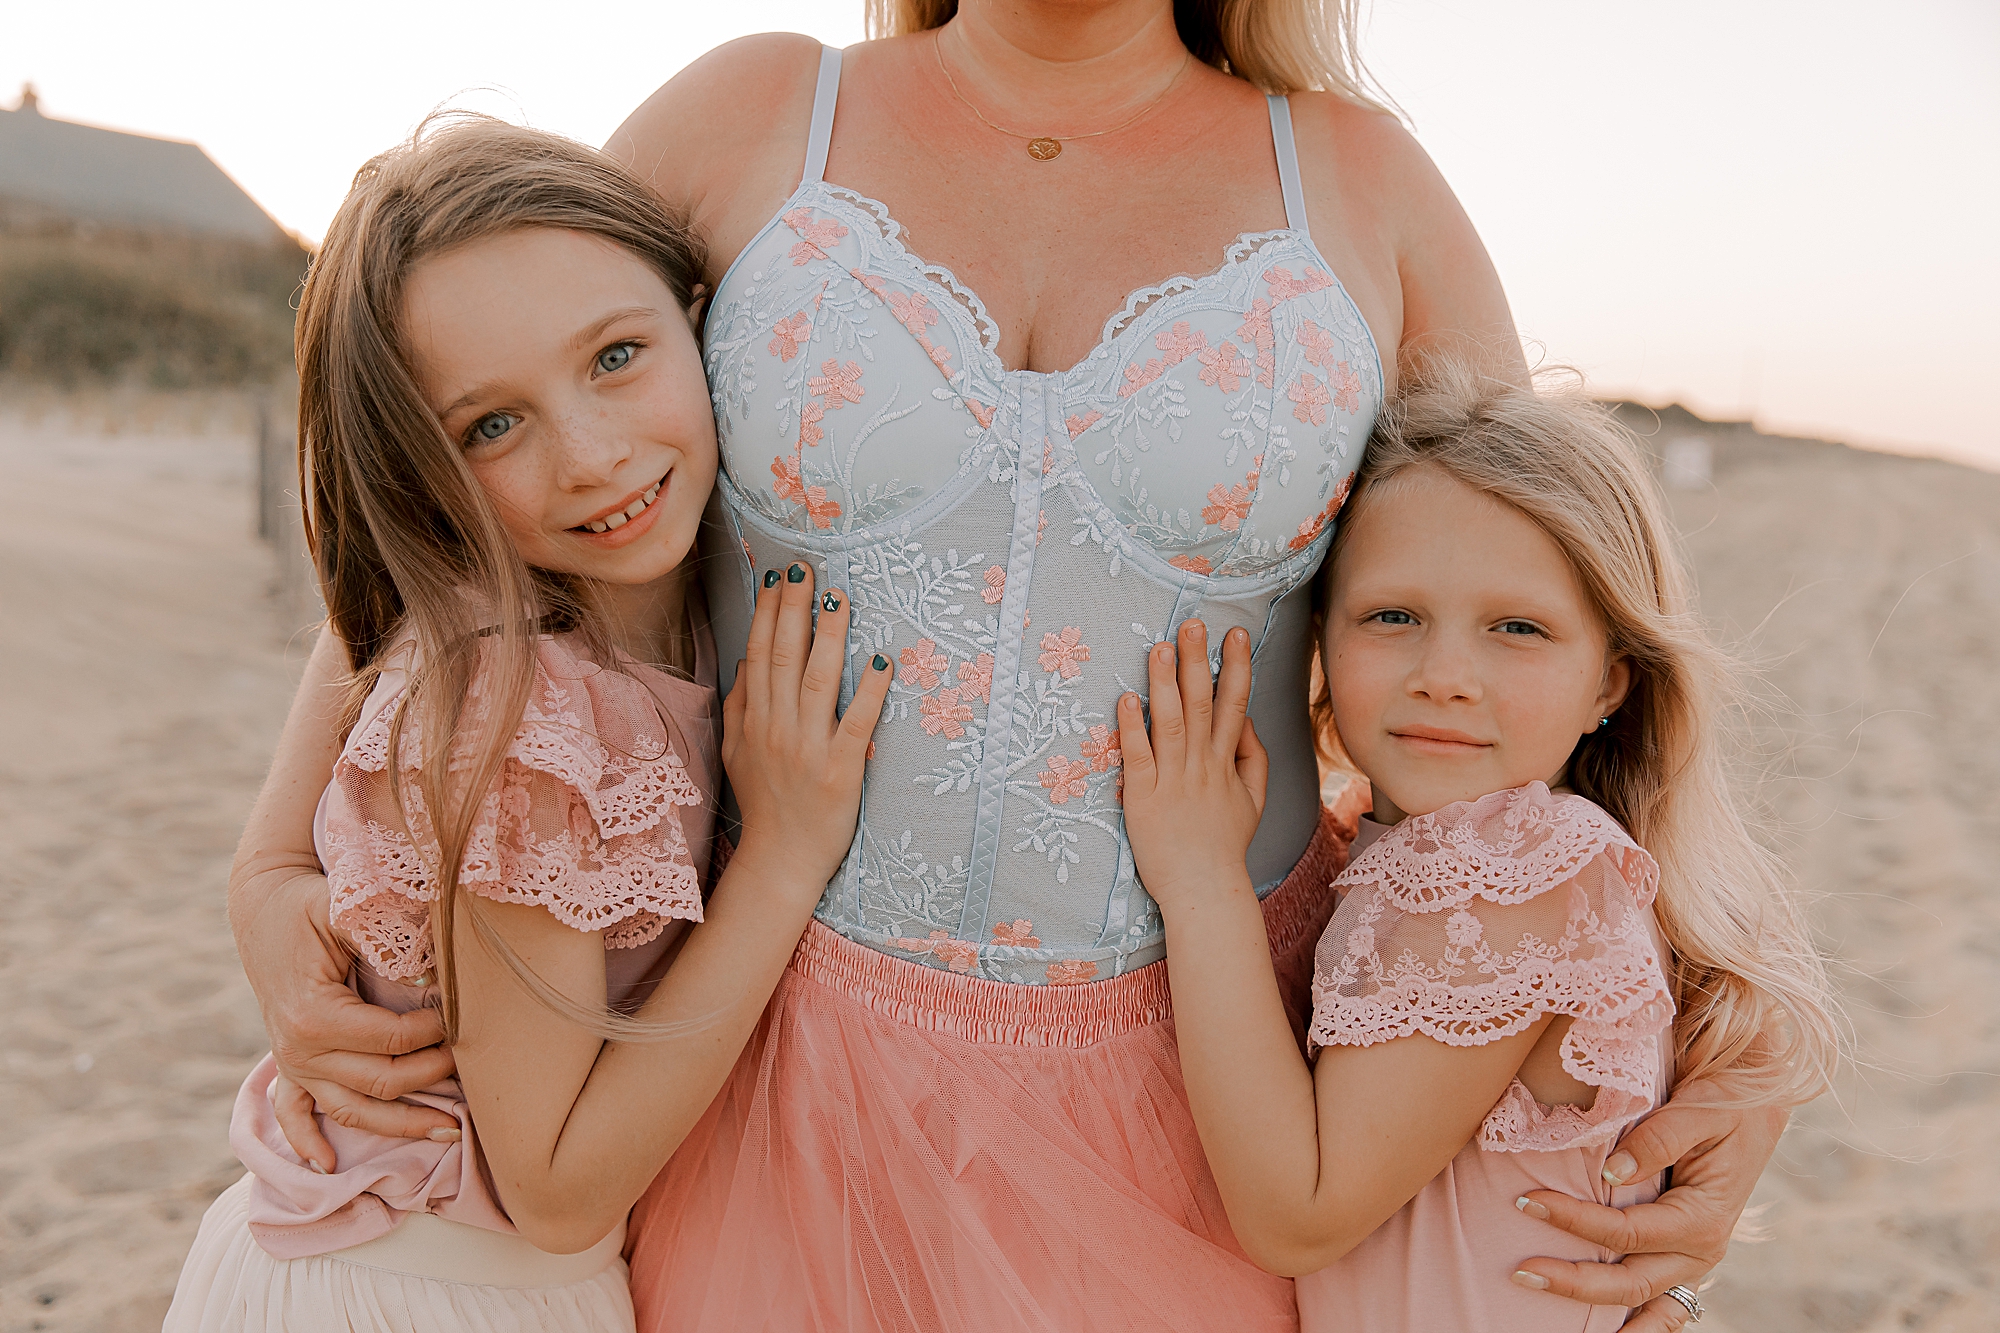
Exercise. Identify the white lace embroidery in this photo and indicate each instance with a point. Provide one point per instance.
(581, 821)
(1469, 924)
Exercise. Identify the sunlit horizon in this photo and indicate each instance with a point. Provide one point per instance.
(1778, 213)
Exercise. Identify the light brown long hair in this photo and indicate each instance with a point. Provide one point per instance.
(406, 543)
(1281, 46)
(1750, 988)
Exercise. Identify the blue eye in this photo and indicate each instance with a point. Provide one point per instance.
(491, 427)
(1519, 627)
(1394, 618)
(615, 358)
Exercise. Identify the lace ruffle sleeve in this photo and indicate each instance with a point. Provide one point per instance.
(1469, 924)
(583, 820)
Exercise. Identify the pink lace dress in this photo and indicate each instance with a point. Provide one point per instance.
(1468, 925)
(603, 814)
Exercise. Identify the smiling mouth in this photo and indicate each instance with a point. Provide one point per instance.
(619, 519)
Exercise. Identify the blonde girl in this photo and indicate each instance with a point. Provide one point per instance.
(1555, 911)
(507, 446)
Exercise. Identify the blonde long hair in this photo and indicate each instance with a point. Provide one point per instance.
(1281, 46)
(404, 539)
(1750, 987)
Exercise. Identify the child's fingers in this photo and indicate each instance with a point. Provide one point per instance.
(733, 705)
(1232, 693)
(1132, 741)
(1169, 734)
(1253, 764)
(864, 710)
(757, 651)
(819, 691)
(293, 1106)
(1197, 686)
(791, 641)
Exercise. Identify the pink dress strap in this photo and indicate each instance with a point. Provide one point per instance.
(1468, 924)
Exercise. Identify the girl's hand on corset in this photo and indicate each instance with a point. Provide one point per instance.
(794, 765)
(1194, 788)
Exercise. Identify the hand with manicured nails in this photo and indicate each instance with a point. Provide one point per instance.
(794, 765)
(1194, 788)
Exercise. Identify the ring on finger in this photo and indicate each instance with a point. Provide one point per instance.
(1689, 1302)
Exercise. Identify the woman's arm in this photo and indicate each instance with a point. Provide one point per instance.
(1308, 1163)
(351, 1057)
(575, 1127)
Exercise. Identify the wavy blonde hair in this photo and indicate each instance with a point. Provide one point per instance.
(1754, 1004)
(1281, 46)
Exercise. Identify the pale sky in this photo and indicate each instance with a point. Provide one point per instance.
(1757, 207)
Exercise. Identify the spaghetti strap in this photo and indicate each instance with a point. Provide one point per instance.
(825, 95)
(1288, 163)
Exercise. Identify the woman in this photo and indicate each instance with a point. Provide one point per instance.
(887, 375)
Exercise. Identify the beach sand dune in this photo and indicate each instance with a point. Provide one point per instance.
(148, 669)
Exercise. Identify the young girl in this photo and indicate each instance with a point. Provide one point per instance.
(507, 442)
(1554, 873)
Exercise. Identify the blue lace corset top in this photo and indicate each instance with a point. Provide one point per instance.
(1015, 541)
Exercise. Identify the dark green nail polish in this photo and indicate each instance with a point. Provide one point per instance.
(770, 578)
(881, 662)
(830, 602)
(796, 574)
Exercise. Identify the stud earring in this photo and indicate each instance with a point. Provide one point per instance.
(1603, 722)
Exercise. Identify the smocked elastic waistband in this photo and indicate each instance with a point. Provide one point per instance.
(1079, 1014)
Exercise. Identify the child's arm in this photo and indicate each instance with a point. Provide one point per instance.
(575, 1127)
(1308, 1162)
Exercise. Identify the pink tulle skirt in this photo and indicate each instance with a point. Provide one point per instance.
(905, 1148)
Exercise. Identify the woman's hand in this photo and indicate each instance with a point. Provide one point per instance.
(1194, 791)
(351, 1057)
(794, 766)
(1717, 1153)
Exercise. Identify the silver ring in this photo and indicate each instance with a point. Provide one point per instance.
(1689, 1302)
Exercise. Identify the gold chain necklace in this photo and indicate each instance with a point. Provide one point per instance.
(1047, 147)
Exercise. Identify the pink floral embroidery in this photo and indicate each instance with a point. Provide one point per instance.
(1256, 330)
(977, 678)
(1317, 342)
(1103, 750)
(790, 486)
(1311, 399)
(939, 355)
(1138, 377)
(1071, 971)
(872, 283)
(1223, 367)
(787, 484)
(1078, 425)
(1041, 526)
(996, 585)
(1064, 777)
(1284, 286)
(1063, 652)
(1311, 527)
(1048, 457)
(1179, 344)
(912, 310)
(958, 955)
(1016, 934)
(980, 412)
(836, 384)
(1193, 564)
(1226, 509)
(926, 661)
(942, 714)
(787, 334)
(1346, 387)
(810, 432)
(814, 237)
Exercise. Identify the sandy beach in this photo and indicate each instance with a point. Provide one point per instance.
(149, 666)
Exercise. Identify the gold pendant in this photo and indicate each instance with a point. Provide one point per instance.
(1044, 149)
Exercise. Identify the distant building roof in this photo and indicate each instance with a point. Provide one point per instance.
(125, 180)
